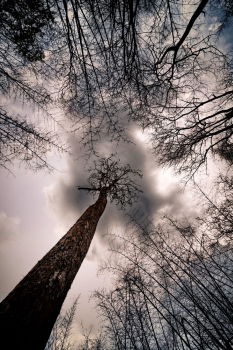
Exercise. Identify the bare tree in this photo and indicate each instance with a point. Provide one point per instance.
(24, 23)
(173, 290)
(219, 219)
(32, 307)
(93, 342)
(60, 336)
(24, 142)
(160, 64)
(24, 37)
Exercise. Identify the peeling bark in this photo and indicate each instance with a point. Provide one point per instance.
(29, 312)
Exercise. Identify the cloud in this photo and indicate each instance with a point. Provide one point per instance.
(68, 203)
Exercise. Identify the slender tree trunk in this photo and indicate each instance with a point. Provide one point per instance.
(29, 312)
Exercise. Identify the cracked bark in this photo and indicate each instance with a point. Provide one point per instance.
(29, 312)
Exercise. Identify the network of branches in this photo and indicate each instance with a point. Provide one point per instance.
(118, 181)
(60, 336)
(22, 142)
(161, 64)
(173, 287)
(24, 36)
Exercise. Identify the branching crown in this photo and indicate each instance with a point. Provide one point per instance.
(118, 180)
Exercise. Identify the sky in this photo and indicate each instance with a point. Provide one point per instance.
(38, 208)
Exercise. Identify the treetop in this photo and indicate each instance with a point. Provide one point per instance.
(118, 180)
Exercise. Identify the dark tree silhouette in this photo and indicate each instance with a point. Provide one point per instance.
(60, 336)
(24, 142)
(25, 23)
(30, 310)
(173, 290)
(24, 37)
(160, 64)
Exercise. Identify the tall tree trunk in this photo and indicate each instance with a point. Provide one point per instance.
(29, 312)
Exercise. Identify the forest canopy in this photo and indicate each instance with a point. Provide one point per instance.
(163, 65)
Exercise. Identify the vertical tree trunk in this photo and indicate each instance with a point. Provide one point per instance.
(29, 312)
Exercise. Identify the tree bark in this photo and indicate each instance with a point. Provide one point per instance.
(29, 312)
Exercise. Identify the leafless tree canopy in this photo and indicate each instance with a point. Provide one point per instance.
(162, 64)
(107, 174)
(22, 141)
(24, 37)
(60, 336)
(173, 291)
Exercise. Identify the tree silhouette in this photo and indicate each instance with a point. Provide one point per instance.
(24, 142)
(30, 310)
(60, 336)
(160, 64)
(24, 23)
(173, 289)
(24, 37)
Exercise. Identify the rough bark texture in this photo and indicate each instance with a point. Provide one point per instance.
(28, 313)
